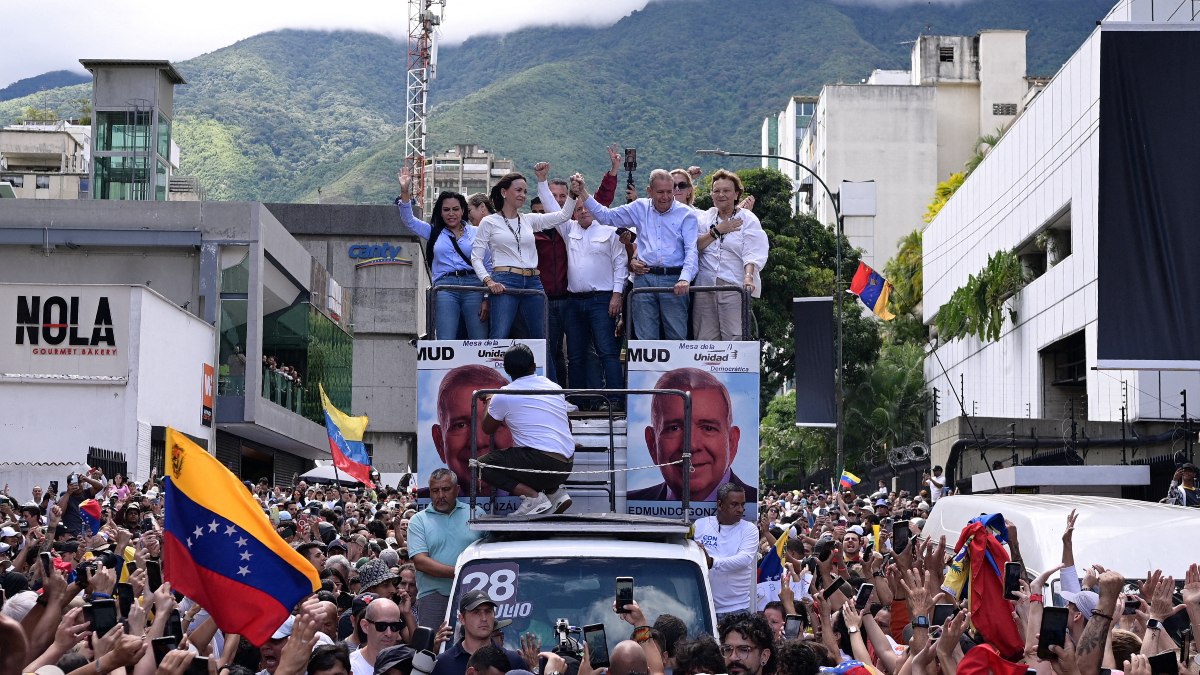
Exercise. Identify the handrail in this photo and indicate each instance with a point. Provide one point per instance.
(691, 289)
(687, 434)
(431, 306)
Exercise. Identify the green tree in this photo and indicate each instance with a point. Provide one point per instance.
(83, 110)
(942, 194)
(40, 114)
(888, 405)
(904, 273)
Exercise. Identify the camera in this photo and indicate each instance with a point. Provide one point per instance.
(567, 646)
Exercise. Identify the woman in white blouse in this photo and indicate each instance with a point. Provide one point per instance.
(508, 235)
(733, 250)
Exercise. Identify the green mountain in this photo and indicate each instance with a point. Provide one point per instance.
(275, 116)
(51, 80)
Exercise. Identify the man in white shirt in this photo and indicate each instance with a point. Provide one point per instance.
(382, 625)
(935, 484)
(731, 546)
(541, 436)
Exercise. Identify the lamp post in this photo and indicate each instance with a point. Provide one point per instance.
(839, 433)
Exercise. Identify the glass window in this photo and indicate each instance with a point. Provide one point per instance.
(160, 181)
(15, 181)
(235, 269)
(43, 182)
(164, 137)
(121, 178)
(581, 590)
(125, 130)
(231, 380)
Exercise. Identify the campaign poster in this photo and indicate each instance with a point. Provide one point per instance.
(722, 378)
(448, 371)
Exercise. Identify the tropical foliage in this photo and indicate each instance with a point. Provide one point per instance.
(979, 307)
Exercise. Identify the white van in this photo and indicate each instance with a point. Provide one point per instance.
(552, 567)
(1131, 537)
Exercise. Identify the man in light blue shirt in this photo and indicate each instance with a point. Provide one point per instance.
(666, 256)
(436, 536)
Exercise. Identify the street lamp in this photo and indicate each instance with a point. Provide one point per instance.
(839, 433)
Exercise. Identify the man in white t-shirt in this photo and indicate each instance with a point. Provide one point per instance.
(731, 546)
(381, 623)
(935, 484)
(541, 436)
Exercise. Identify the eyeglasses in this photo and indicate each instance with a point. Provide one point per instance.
(742, 650)
(381, 626)
(682, 186)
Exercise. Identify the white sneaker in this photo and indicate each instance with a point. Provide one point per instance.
(532, 506)
(560, 499)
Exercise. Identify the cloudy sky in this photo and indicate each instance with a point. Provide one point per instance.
(50, 36)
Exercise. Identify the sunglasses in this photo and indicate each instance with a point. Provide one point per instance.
(381, 626)
(682, 186)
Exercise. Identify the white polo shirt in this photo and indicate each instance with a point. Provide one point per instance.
(537, 421)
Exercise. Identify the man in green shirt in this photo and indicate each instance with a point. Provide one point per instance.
(436, 536)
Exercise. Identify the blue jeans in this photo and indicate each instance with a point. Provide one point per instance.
(453, 307)
(556, 366)
(588, 322)
(659, 316)
(506, 305)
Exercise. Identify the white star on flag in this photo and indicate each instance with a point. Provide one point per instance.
(230, 530)
(243, 571)
(241, 541)
(199, 532)
(212, 527)
(246, 555)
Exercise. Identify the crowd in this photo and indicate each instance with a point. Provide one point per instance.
(281, 383)
(860, 590)
(585, 257)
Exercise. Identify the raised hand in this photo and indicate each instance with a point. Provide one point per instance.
(405, 180)
(614, 156)
(542, 171)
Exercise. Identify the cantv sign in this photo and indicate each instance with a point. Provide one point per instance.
(370, 255)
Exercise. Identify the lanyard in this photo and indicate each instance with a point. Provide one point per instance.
(515, 233)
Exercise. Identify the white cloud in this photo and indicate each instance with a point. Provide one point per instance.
(47, 37)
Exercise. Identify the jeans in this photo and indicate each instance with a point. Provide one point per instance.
(506, 306)
(588, 322)
(556, 366)
(659, 316)
(451, 307)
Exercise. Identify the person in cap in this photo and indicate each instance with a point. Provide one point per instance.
(376, 577)
(329, 660)
(1080, 606)
(383, 627)
(396, 660)
(477, 616)
(272, 649)
(1183, 486)
(349, 630)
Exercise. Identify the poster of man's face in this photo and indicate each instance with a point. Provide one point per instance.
(722, 381)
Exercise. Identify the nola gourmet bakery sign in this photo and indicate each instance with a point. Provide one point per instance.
(65, 330)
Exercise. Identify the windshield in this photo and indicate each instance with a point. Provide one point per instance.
(534, 592)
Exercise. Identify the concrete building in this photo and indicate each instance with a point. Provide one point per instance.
(234, 269)
(1036, 194)
(466, 168)
(904, 130)
(46, 160)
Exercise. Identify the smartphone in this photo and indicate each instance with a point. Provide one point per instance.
(153, 575)
(900, 536)
(124, 593)
(941, 613)
(792, 625)
(1012, 579)
(81, 574)
(422, 638)
(161, 646)
(833, 588)
(1176, 625)
(130, 568)
(47, 564)
(1164, 663)
(1131, 605)
(198, 666)
(597, 643)
(864, 596)
(624, 594)
(54, 488)
(102, 614)
(1053, 631)
(175, 626)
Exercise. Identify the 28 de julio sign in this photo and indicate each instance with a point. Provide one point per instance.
(64, 330)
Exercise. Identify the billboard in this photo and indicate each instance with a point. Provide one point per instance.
(448, 371)
(722, 378)
(1148, 282)
(64, 330)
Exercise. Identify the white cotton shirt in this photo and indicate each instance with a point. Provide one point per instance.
(511, 240)
(726, 258)
(596, 258)
(359, 665)
(734, 550)
(538, 422)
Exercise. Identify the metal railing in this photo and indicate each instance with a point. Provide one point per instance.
(685, 458)
(431, 304)
(746, 318)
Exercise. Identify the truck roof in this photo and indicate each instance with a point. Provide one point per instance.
(615, 524)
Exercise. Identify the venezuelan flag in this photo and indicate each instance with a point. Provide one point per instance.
(873, 290)
(849, 480)
(220, 550)
(89, 511)
(345, 442)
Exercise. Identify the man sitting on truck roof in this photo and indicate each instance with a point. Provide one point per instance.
(541, 435)
(477, 616)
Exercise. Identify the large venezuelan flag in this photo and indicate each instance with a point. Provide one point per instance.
(220, 550)
(873, 290)
(345, 442)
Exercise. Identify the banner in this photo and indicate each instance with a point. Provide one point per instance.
(1148, 284)
(812, 328)
(722, 378)
(448, 371)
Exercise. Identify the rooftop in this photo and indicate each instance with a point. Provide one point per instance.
(166, 66)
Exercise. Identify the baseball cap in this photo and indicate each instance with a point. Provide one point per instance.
(394, 657)
(473, 599)
(285, 629)
(882, 502)
(856, 529)
(1084, 601)
(360, 602)
(8, 532)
